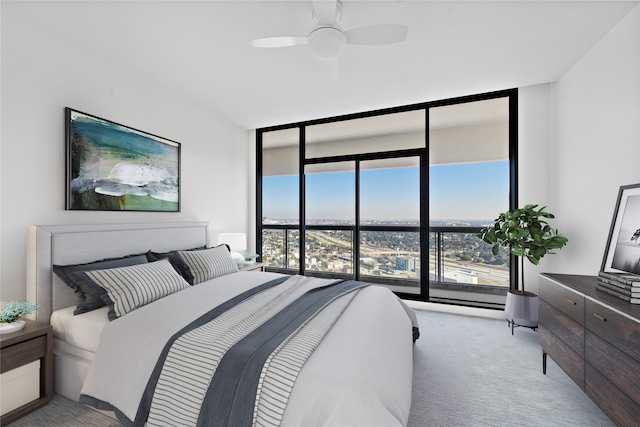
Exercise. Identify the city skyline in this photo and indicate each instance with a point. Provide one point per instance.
(473, 191)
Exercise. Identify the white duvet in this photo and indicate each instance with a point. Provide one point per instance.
(359, 375)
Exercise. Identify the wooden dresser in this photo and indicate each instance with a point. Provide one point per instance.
(595, 339)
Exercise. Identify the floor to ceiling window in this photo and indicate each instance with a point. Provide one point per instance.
(279, 188)
(469, 184)
(393, 197)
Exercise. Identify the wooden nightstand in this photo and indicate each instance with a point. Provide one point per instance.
(256, 266)
(33, 342)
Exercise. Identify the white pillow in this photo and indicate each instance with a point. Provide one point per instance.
(210, 263)
(129, 288)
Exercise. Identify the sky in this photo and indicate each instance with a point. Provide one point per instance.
(461, 191)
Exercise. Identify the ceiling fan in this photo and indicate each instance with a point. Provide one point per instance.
(327, 39)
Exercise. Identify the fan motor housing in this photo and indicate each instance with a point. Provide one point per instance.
(327, 41)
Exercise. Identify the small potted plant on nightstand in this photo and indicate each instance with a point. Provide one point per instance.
(527, 234)
(10, 314)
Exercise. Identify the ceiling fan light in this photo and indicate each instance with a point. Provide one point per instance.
(326, 42)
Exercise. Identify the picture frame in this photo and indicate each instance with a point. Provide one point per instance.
(622, 252)
(113, 167)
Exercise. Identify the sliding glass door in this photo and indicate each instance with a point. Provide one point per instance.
(390, 223)
(329, 219)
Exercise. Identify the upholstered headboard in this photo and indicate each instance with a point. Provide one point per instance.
(50, 245)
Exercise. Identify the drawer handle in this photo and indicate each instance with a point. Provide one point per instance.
(570, 301)
(597, 316)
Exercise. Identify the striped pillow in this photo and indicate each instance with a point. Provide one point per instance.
(129, 288)
(208, 264)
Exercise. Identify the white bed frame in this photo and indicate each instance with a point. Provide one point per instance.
(50, 245)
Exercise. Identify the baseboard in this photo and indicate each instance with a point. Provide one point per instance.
(456, 309)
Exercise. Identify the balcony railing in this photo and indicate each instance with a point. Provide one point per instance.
(457, 261)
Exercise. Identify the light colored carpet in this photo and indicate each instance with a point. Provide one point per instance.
(63, 412)
(468, 371)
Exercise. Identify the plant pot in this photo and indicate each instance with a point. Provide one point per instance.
(521, 309)
(7, 328)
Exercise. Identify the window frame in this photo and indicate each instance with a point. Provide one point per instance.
(422, 153)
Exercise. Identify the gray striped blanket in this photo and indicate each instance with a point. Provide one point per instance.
(236, 365)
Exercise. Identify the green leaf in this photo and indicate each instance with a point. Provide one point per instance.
(525, 232)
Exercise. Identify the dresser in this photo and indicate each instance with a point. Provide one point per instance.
(595, 339)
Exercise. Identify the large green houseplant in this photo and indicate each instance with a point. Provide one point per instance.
(527, 234)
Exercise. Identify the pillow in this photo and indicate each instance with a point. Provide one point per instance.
(129, 288)
(210, 263)
(90, 295)
(175, 261)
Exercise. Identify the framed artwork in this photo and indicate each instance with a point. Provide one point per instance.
(112, 167)
(622, 253)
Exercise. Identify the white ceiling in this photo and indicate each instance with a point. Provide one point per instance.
(200, 50)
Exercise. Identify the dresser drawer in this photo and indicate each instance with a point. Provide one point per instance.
(16, 355)
(563, 299)
(620, 369)
(618, 330)
(567, 359)
(567, 330)
(618, 406)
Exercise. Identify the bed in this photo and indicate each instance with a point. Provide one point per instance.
(219, 347)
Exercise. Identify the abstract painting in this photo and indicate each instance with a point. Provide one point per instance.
(111, 167)
(622, 254)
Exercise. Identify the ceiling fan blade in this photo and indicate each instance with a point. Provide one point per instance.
(278, 41)
(324, 11)
(378, 34)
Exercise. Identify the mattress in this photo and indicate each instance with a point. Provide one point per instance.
(82, 331)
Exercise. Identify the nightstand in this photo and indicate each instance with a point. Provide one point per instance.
(256, 266)
(17, 349)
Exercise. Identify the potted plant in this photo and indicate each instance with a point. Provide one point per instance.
(527, 234)
(10, 314)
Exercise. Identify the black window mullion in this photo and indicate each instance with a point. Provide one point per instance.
(514, 265)
(413, 152)
(424, 212)
(285, 249)
(259, 172)
(356, 231)
(302, 215)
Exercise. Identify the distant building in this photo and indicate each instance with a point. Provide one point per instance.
(405, 263)
(458, 276)
(370, 262)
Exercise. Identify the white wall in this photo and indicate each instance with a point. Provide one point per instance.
(596, 127)
(580, 137)
(536, 167)
(41, 74)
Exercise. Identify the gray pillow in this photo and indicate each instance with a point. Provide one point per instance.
(129, 288)
(175, 261)
(89, 294)
(210, 263)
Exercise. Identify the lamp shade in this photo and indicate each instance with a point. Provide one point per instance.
(236, 241)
